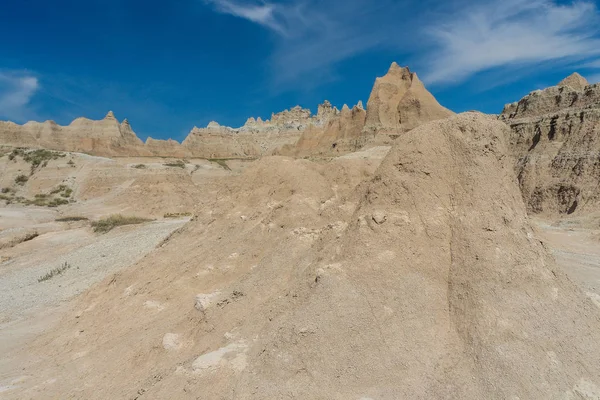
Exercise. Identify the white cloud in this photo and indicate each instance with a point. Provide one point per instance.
(262, 14)
(16, 91)
(313, 35)
(508, 34)
(447, 41)
(595, 78)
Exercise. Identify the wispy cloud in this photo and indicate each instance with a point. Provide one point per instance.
(595, 78)
(447, 41)
(16, 90)
(510, 33)
(312, 36)
(262, 14)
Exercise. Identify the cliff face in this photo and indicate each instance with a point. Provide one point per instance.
(338, 132)
(256, 138)
(556, 140)
(400, 102)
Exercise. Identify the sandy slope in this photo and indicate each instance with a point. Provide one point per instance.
(420, 278)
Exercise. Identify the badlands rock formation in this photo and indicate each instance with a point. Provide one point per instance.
(556, 139)
(256, 138)
(400, 102)
(334, 132)
(299, 281)
(104, 137)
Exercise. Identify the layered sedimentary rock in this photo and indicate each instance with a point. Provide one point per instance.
(256, 138)
(556, 141)
(104, 137)
(400, 102)
(332, 132)
(166, 148)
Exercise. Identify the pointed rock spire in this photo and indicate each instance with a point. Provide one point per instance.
(110, 115)
(574, 81)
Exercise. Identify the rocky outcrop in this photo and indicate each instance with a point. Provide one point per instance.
(556, 141)
(166, 148)
(400, 102)
(336, 132)
(104, 137)
(256, 138)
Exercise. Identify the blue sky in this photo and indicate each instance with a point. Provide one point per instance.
(167, 66)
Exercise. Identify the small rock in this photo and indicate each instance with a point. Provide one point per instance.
(379, 217)
(171, 341)
(203, 301)
(320, 273)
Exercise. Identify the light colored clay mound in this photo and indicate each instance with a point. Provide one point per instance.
(260, 225)
(555, 142)
(90, 186)
(424, 281)
(399, 102)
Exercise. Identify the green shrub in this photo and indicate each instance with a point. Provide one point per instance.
(57, 202)
(37, 157)
(140, 166)
(67, 192)
(15, 153)
(21, 179)
(107, 224)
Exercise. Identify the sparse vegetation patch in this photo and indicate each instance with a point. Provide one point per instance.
(178, 215)
(177, 164)
(40, 199)
(63, 190)
(36, 158)
(71, 219)
(21, 179)
(56, 271)
(107, 224)
(221, 161)
(140, 166)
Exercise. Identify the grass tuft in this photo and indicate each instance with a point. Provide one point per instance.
(178, 164)
(178, 215)
(55, 272)
(70, 219)
(222, 162)
(107, 224)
